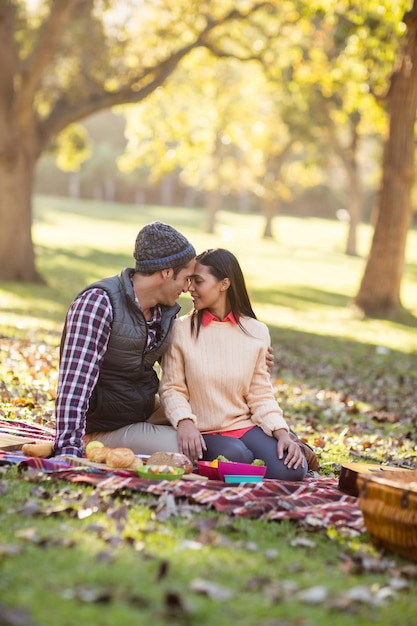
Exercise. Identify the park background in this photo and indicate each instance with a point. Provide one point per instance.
(285, 132)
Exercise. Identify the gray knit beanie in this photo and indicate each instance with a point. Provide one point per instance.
(159, 246)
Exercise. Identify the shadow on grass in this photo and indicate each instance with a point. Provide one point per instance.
(300, 297)
(343, 364)
(404, 318)
(66, 273)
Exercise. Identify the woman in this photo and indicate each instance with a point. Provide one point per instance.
(215, 387)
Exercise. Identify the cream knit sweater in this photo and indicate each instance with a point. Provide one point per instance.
(219, 380)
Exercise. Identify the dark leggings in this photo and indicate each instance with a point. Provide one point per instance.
(255, 444)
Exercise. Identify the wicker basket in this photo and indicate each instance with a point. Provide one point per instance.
(389, 507)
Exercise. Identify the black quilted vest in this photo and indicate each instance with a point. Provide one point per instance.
(127, 384)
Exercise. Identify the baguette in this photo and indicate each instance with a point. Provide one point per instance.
(40, 449)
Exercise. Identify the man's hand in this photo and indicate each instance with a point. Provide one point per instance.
(190, 440)
(270, 359)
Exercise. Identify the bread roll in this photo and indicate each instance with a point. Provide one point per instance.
(41, 449)
(136, 463)
(99, 454)
(120, 457)
(173, 459)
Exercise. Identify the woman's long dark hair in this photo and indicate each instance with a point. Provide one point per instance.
(223, 264)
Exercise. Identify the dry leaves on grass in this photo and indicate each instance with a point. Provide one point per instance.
(28, 379)
(364, 411)
(359, 405)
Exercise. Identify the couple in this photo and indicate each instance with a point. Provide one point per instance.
(215, 387)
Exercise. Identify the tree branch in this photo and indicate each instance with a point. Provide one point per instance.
(49, 37)
(64, 113)
(139, 86)
(8, 55)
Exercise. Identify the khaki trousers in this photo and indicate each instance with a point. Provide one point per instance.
(154, 435)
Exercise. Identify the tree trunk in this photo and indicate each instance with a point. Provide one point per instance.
(348, 157)
(212, 202)
(74, 184)
(17, 161)
(354, 209)
(379, 292)
(268, 211)
(17, 258)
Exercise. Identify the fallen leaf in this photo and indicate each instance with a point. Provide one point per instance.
(210, 589)
(166, 507)
(176, 606)
(16, 616)
(313, 595)
(10, 549)
(303, 542)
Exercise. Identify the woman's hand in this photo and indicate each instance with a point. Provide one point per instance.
(295, 458)
(190, 440)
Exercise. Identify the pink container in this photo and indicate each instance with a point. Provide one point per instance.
(205, 469)
(240, 469)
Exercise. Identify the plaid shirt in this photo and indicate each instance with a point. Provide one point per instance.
(88, 330)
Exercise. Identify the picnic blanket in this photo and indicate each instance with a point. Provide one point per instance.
(316, 502)
(13, 433)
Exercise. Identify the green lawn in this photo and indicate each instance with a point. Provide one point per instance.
(299, 280)
(69, 554)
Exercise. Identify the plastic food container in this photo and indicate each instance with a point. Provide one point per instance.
(160, 472)
(227, 468)
(237, 478)
(205, 469)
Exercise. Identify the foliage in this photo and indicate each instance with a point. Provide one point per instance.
(72, 147)
(68, 60)
(140, 43)
(314, 92)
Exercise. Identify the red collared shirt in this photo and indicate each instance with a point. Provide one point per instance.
(208, 317)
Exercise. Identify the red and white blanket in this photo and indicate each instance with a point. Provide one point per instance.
(316, 502)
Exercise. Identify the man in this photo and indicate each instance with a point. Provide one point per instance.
(115, 331)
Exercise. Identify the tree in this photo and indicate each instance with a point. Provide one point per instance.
(347, 151)
(188, 126)
(379, 291)
(72, 58)
(226, 131)
(342, 52)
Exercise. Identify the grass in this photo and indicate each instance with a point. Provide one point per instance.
(69, 554)
(300, 280)
(199, 569)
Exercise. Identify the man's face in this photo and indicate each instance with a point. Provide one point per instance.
(178, 284)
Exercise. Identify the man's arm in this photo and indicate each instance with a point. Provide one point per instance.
(87, 331)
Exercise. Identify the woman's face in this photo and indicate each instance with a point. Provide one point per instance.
(206, 291)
